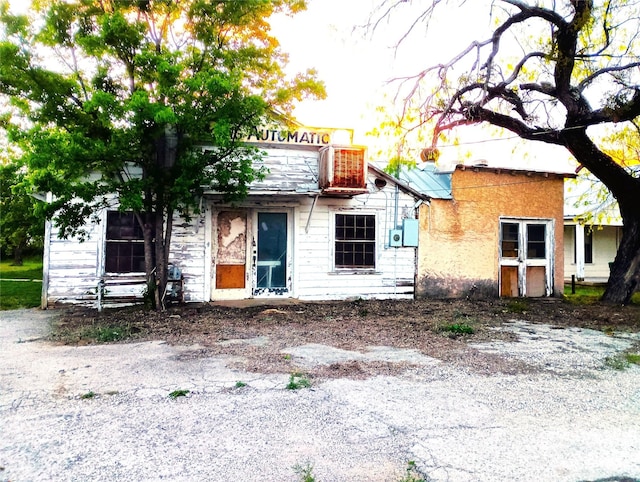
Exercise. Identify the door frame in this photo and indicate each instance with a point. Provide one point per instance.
(281, 292)
(230, 293)
(522, 262)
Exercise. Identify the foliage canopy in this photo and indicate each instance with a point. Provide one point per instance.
(121, 97)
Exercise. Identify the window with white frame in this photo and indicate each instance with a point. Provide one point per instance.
(355, 241)
(124, 251)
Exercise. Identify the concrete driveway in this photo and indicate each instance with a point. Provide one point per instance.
(104, 413)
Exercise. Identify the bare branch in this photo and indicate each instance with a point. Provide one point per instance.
(620, 68)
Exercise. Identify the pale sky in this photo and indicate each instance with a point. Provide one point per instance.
(356, 65)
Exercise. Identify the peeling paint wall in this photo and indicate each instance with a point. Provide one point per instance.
(459, 239)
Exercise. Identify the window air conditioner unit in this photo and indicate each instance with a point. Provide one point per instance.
(343, 170)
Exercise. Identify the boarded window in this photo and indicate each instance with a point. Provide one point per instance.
(355, 239)
(124, 244)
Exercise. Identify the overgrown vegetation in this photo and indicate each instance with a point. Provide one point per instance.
(305, 472)
(298, 380)
(457, 329)
(622, 361)
(412, 474)
(20, 286)
(178, 393)
(88, 396)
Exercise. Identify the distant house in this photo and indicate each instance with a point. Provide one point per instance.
(592, 231)
(317, 227)
(489, 232)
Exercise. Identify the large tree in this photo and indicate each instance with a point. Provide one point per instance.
(113, 101)
(555, 72)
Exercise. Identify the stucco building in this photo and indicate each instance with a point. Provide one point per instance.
(489, 232)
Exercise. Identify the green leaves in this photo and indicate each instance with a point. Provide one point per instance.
(113, 102)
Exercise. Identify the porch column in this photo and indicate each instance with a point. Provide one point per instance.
(579, 251)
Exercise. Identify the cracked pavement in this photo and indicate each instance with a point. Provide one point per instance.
(103, 412)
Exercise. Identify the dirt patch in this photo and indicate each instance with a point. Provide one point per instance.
(256, 338)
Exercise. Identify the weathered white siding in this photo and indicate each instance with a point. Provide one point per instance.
(290, 170)
(74, 269)
(314, 273)
(188, 254)
(71, 267)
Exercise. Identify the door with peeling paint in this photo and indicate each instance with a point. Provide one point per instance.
(231, 273)
(526, 257)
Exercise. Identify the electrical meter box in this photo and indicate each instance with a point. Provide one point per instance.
(395, 238)
(410, 230)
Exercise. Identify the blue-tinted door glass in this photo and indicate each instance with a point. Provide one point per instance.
(272, 250)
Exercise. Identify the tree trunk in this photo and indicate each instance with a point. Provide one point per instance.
(624, 278)
(148, 231)
(161, 260)
(17, 255)
(625, 271)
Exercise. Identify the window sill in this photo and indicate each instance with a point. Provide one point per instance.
(363, 271)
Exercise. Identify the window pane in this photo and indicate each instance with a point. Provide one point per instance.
(124, 250)
(509, 240)
(536, 244)
(355, 236)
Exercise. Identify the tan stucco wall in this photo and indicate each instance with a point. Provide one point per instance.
(458, 252)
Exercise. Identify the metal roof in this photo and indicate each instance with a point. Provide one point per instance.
(425, 178)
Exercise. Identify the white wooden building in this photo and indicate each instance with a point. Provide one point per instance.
(323, 224)
(592, 232)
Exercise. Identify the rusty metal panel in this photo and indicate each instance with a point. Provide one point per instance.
(349, 168)
(342, 168)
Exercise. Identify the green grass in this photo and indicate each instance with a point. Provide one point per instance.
(633, 358)
(458, 329)
(108, 334)
(587, 295)
(20, 294)
(178, 393)
(94, 334)
(412, 474)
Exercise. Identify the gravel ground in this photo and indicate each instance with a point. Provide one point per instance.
(103, 412)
